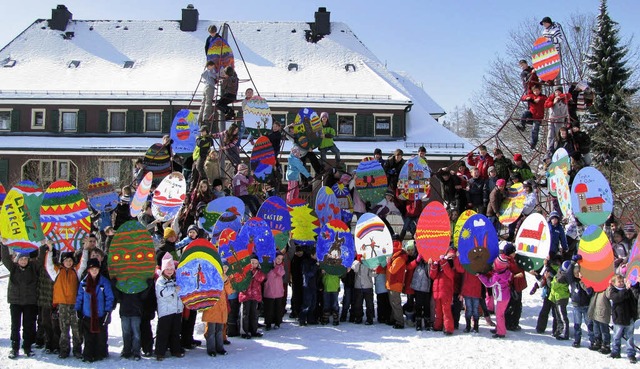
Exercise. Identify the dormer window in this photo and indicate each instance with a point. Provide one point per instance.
(73, 64)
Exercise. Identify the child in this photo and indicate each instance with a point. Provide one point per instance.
(274, 300)
(396, 269)
(558, 114)
(580, 297)
(228, 92)
(131, 305)
(558, 237)
(471, 292)
(296, 280)
(559, 296)
(204, 143)
(382, 296)
(216, 317)
(210, 79)
(241, 182)
(309, 283)
(535, 113)
(294, 169)
(94, 303)
(421, 285)
(192, 234)
(348, 281)
(624, 314)
(250, 298)
(550, 269)
(327, 144)
(499, 281)
(22, 296)
(331, 284)
(518, 284)
(217, 188)
(65, 291)
(442, 274)
(600, 314)
(169, 311)
(362, 291)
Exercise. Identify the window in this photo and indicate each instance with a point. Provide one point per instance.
(110, 171)
(5, 120)
(346, 124)
(117, 120)
(382, 125)
(152, 120)
(280, 116)
(37, 118)
(63, 170)
(68, 120)
(46, 170)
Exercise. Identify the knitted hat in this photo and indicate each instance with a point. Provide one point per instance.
(24, 254)
(390, 193)
(254, 256)
(546, 20)
(193, 227)
(242, 166)
(554, 214)
(629, 227)
(67, 255)
(324, 114)
(509, 248)
(491, 169)
(409, 245)
(501, 182)
(345, 178)
(167, 262)
(500, 263)
(377, 152)
(517, 157)
(93, 263)
(169, 232)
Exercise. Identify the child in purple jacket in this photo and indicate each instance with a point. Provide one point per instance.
(499, 280)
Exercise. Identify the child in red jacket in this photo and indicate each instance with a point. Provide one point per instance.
(471, 292)
(442, 274)
(535, 114)
(250, 298)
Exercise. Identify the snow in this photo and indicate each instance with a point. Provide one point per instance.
(353, 346)
(140, 144)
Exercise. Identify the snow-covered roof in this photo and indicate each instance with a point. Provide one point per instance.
(167, 59)
(76, 145)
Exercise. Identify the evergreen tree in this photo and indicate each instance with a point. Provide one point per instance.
(608, 74)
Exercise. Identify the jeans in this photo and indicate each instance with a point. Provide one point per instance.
(213, 335)
(130, 335)
(410, 224)
(307, 314)
(601, 333)
(330, 300)
(334, 149)
(580, 313)
(347, 302)
(626, 332)
(471, 307)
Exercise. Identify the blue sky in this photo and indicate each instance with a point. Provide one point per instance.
(446, 45)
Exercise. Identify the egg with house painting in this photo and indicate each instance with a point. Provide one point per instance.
(533, 242)
(591, 197)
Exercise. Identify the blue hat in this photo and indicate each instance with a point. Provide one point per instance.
(24, 254)
(554, 214)
(566, 265)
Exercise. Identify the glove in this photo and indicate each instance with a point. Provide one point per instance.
(576, 257)
(79, 315)
(441, 257)
(419, 258)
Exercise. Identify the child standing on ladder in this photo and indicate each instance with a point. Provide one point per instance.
(210, 79)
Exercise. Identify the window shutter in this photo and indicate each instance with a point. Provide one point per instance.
(54, 121)
(167, 121)
(131, 122)
(15, 120)
(4, 172)
(398, 123)
(103, 121)
(82, 121)
(139, 121)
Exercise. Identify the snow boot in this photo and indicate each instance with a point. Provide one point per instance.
(595, 346)
(467, 328)
(418, 324)
(605, 349)
(325, 319)
(336, 319)
(475, 325)
(428, 325)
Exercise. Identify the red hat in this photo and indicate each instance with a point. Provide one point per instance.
(501, 182)
(517, 157)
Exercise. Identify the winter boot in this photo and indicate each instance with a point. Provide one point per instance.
(595, 345)
(605, 349)
(336, 319)
(475, 325)
(325, 319)
(428, 325)
(418, 324)
(467, 328)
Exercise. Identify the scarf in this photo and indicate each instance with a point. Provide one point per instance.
(92, 284)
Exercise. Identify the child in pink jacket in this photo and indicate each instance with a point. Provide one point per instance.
(273, 294)
(499, 280)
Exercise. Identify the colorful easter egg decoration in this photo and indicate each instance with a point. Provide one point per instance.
(563, 192)
(591, 197)
(64, 216)
(546, 59)
(303, 223)
(184, 130)
(344, 201)
(562, 160)
(216, 207)
(169, 197)
(3, 194)
(373, 240)
(227, 220)
(327, 207)
(238, 255)
(256, 112)
(596, 265)
(199, 275)
(255, 233)
(513, 204)
(263, 160)
(533, 242)
(478, 244)
(132, 257)
(101, 195)
(633, 265)
(371, 181)
(459, 224)
(157, 160)
(275, 212)
(414, 179)
(433, 231)
(141, 195)
(336, 248)
(220, 53)
(307, 129)
(20, 217)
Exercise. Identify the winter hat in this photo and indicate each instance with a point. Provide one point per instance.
(242, 166)
(295, 151)
(67, 255)
(93, 263)
(324, 114)
(192, 227)
(554, 214)
(225, 262)
(23, 254)
(377, 152)
(517, 157)
(516, 175)
(216, 182)
(409, 245)
(125, 198)
(546, 20)
(566, 265)
(167, 262)
(390, 193)
(345, 178)
(169, 232)
(500, 263)
(491, 169)
(575, 123)
(509, 248)
(254, 256)
(629, 227)
(501, 182)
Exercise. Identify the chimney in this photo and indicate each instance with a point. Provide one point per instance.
(322, 25)
(60, 16)
(189, 22)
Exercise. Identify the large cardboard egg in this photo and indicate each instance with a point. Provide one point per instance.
(132, 257)
(533, 242)
(169, 197)
(433, 232)
(336, 249)
(64, 216)
(373, 241)
(199, 275)
(596, 265)
(591, 197)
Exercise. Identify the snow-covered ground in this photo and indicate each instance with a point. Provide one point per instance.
(350, 346)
